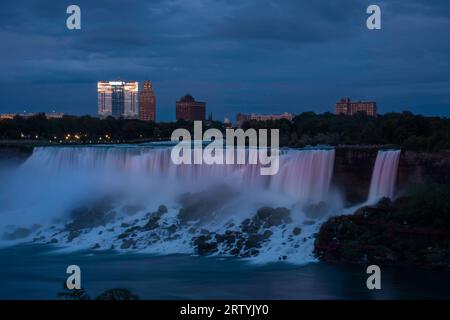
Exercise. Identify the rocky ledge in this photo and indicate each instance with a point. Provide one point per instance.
(194, 227)
(413, 230)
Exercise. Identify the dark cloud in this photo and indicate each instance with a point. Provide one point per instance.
(251, 55)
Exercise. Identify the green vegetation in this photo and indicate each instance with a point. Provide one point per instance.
(414, 132)
(413, 230)
(406, 130)
(86, 129)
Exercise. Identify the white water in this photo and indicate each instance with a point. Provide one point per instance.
(384, 175)
(55, 180)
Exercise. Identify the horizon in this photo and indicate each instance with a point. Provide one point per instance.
(253, 57)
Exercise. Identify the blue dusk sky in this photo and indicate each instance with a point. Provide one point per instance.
(264, 56)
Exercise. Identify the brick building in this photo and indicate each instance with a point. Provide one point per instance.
(147, 102)
(347, 107)
(189, 109)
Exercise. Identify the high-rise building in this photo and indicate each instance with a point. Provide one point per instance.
(118, 99)
(189, 109)
(347, 107)
(147, 102)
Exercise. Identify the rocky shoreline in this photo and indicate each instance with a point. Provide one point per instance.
(190, 228)
(411, 231)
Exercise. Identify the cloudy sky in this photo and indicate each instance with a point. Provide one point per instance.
(264, 56)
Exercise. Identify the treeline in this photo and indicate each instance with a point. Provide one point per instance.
(86, 128)
(405, 130)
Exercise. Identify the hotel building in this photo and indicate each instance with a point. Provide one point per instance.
(241, 117)
(118, 99)
(347, 107)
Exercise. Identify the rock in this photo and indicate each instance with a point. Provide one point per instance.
(84, 218)
(127, 243)
(162, 209)
(253, 242)
(96, 246)
(384, 204)
(235, 251)
(230, 236)
(219, 238)
(172, 228)
(204, 245)
(379, 235)
(73, 234)
(273, 217)
(53, 241)
(267, 234)
(308, 222)
(124, 225)
(134, 229)
(123, 235)
(203, 205)
(153, 221)
(296, 231)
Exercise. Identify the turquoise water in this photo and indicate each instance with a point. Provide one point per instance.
(38, 272)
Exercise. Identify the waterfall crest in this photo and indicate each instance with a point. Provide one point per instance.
(304, 174)
(384, 175)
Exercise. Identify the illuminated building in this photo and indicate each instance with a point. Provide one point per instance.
(118, 99)
(48, 115)
(189, 109)
(147, 102)
(347, 107)
(241, 117)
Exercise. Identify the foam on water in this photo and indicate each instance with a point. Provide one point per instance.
(55, 180)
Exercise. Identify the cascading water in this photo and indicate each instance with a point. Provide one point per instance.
(303, 174)
(384, 175)
(55, 180)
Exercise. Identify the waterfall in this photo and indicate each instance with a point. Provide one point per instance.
(43, 192)
(384, 175)
(304, 174)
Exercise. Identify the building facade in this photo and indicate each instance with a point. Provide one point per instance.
(48, 115)
(118, 99)
(347, 107)
(241, 117)
(147, 102)
(189, 109)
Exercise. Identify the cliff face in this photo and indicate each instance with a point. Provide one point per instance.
(354, 165)
(413, 230)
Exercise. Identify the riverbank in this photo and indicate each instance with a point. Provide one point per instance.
(411, 231)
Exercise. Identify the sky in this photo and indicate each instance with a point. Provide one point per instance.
(262, 56)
